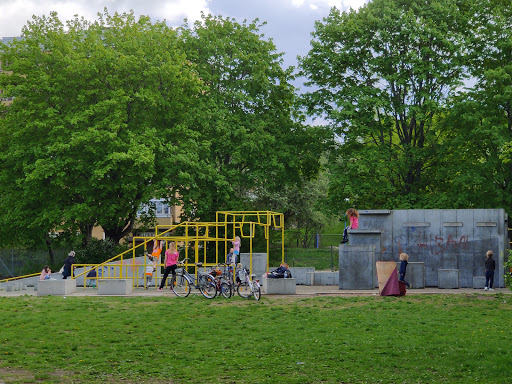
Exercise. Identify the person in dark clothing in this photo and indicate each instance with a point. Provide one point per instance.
(490, 266)
(68, 263)
(404, 257)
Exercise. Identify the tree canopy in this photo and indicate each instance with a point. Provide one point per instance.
(388, 78)
(96, 125)
(112, 113)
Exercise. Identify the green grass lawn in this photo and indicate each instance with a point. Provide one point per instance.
(412, 339)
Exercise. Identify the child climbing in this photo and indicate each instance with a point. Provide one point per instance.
(236, 246)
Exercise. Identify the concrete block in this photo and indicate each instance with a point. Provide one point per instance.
(259, 263)
(367, 237)
(448, 278)
(9, 287)
(478, 282)
(415, 274)
(279, 286)
(118, 287)
(357, 267)
(56, 287)
(310, 278)
(301, 274)
(326, 278)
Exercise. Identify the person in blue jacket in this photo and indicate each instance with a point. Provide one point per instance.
(404, 257)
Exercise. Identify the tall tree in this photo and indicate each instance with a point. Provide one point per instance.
(475, 168)
(250, 134)
(381, 77)
(96, 127)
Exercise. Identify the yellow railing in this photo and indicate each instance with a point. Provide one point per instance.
(19, 277)
(233, 223)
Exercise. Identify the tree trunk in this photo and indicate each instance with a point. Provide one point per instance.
(48, 242)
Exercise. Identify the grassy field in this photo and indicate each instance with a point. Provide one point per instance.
(413, 339)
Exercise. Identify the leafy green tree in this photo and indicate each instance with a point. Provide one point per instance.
(251, 137)
(96, 127)
(474, 159)
(381, 76)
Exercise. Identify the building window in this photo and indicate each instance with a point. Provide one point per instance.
(162, 209)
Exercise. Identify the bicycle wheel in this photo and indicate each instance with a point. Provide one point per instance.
(180, 285)
(256, 290)
(244, 290)
(209, 290)
(225, 290)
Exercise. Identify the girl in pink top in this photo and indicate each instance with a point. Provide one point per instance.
(236, 245)
(45, 273)
(171, 263)
(353, 216)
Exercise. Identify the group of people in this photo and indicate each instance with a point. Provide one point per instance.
(172, 255)
(490, 264)
(46, 273)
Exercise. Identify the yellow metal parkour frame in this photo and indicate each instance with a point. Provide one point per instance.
(197, 235)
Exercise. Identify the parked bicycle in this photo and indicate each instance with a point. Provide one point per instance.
(248, 286)
(224, 286)
(182, 282)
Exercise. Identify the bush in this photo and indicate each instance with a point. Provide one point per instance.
(508, 271)
(98, 251)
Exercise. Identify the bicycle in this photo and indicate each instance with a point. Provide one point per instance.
(224, 287)
(248, 287)
(182, 281)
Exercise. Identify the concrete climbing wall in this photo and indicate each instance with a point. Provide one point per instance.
(441, 238)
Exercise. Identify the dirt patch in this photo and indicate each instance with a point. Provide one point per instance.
(11, 375)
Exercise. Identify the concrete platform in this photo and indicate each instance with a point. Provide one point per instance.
(115, 287)
(301, 291)
(56, 287)
(279, 286)
(478, 282)
(448, 278)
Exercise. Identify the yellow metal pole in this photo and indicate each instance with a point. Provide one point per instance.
(282, 237)
(250, 247)
(267, 233)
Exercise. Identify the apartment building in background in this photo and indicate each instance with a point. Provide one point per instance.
(5, 100)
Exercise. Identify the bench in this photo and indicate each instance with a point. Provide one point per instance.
(116, 287)
(56, 287)
(279, 286)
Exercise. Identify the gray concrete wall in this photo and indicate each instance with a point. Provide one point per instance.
(300, 274)
(440, 238)
(259, 263)
(326, 278)
(357, 267)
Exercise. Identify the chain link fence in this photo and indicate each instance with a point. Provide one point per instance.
(320, 251)
(19, 262)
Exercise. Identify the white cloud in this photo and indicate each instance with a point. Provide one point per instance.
(340, 4)
(15, 13)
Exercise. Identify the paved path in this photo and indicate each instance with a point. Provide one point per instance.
(301, 291)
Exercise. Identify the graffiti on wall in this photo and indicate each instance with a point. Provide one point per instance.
(432, 243)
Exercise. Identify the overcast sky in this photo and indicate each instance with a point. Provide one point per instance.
(289, 22)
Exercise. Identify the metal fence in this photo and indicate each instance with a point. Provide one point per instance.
(17, 262)
(317, 250)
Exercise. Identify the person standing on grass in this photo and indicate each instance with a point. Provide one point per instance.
(490, 266)
(353, 216)
(171, 263)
